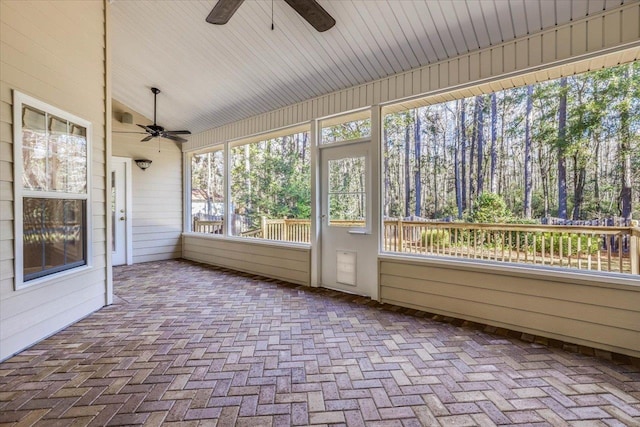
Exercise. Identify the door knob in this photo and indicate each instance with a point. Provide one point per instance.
(121, 218)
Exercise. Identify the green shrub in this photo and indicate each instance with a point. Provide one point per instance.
(437, 238)
(490, 208)
(568, 240)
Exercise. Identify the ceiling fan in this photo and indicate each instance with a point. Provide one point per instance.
(310, 11)
(157, 131)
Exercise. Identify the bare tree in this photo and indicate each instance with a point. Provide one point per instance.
(417, 153)
(480, 139)
(528, 182)
(407, 171)
(562, 166)
(494, 144)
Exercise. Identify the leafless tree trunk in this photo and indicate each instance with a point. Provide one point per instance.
(528, 182)
(562, 166)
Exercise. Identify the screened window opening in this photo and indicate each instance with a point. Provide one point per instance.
(541, 175)
(271, 189)
(347, 192)
(346, 128)
(207, 192)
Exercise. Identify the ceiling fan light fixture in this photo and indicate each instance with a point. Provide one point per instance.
(143, 163)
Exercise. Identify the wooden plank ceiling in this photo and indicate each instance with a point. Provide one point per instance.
(211, 75)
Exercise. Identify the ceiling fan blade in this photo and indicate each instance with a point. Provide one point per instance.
(173, 137)
(145, 139)
(313, 13)
(177, 132)
(223, 11)
(146, 128)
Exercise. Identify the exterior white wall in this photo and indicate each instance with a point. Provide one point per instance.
(291, 263)
(600, 314)
(157, 191)
(42, 58)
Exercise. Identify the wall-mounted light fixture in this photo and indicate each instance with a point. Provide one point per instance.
(126, 118)
(143, 163)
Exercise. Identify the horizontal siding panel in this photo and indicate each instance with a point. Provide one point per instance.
(589, 294)
(266, 260)
(594, 335)
(602, 316)
(174, 247)
(172, 223)
(502, 298)
(6, 249)
(35, 332)
(289, 264)
(249, 267)
(6, 207)
(156, 243)
(18, 310)
(150, 236)
(6, 272)
(249, 248)
(157, 257)
(159, 212)
(145, 230)
(17, 302)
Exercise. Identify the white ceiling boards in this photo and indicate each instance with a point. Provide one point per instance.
(212, 75)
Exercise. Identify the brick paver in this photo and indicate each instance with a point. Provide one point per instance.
(187, 344)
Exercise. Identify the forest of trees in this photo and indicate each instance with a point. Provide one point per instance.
(269, 178)
(272, 178)
(565, 148)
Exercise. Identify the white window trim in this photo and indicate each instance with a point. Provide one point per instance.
(20, 99)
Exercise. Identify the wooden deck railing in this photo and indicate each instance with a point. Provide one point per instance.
(596, 248)
(214, 227)
(290, 230)
(599, 248)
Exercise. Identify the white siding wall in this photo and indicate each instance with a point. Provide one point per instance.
(53, 51)
(157, 191)
(596, 34)
(270, 259)
(583, 311)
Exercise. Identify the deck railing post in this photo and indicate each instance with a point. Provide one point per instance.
(263, 227)
(635, 268)
(285, 230)
(400, 233)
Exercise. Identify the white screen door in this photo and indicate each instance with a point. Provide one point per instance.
(120, 193)
(348, 248)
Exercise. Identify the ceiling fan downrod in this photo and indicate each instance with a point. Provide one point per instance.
(155, 91)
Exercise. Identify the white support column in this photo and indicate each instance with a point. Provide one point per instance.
(228, 214)
(186, 204)
(376, 187)
(316, 220)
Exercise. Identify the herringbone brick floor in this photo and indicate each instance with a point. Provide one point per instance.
(187, 344)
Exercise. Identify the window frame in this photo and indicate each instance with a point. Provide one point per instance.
(230, 145)
(469, 91)
(222, 148)
(20, 193)
(342, 119)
